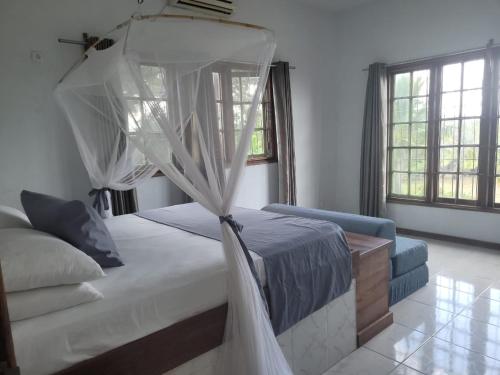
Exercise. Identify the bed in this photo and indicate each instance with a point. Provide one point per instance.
(170, 277)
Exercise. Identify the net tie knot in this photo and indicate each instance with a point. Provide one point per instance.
(100, 203)
(232, 223)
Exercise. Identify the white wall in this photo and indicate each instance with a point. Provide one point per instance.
(305, 38)
(158, 192)
(257, 195)
(37, 149)
(392, 31)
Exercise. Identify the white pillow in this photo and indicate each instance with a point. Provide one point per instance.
(36, 302)
(32, 259)
(12, 218)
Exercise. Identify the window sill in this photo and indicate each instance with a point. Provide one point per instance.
(250, 162)
(261, 161)
(415, 202)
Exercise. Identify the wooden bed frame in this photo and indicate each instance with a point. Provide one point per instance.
(169, 348)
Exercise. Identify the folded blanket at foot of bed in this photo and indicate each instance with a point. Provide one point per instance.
(307, 261)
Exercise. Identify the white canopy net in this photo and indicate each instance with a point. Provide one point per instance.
(159, 98)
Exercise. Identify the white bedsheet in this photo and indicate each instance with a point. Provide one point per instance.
(169, 275)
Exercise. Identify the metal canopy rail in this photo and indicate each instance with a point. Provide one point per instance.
(156, 16)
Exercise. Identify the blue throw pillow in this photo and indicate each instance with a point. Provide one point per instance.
(74, 222)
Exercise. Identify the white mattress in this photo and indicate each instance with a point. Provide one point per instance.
(169, 275)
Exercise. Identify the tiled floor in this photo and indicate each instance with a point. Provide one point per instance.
(451, 326)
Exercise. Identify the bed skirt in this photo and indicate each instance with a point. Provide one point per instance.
(311, 346)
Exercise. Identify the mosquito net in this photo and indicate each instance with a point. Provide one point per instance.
(183, 95)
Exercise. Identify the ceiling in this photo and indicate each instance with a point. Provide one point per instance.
(335, 5)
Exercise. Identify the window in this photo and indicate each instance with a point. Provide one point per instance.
(140, 109)
(496, 111)
(444, 143)
(234, 88)
(408, 148)
(459, 121)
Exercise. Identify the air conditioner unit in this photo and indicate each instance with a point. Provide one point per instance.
(213, 7)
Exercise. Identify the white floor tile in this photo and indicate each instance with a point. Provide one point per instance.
(442, 357)
(474, 335)
(363, 362)
(420, 317)
(451, 326)
(485, 310)
(492, 292)
(397, 342)
(405, 370)
(461, 282)
(443, 298)
(477, 266)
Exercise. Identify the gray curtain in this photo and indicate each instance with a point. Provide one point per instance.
(280, 76)
(123, 202)
(373, 147)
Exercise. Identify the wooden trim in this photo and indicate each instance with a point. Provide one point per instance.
(493, 58)
(161, 351)
(446, 237)
(375, 328)
(256, 161)
(250, 162)
(438, 204)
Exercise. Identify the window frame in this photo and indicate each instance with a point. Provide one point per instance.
(269, 121)
(489, 122)
(268, 113)
(392, 71)
(269, 127)
(494, 130)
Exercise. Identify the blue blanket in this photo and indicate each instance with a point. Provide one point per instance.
(307, 262)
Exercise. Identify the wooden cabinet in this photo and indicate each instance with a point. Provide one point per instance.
(371, 269)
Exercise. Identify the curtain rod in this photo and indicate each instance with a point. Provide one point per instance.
(490, 44)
